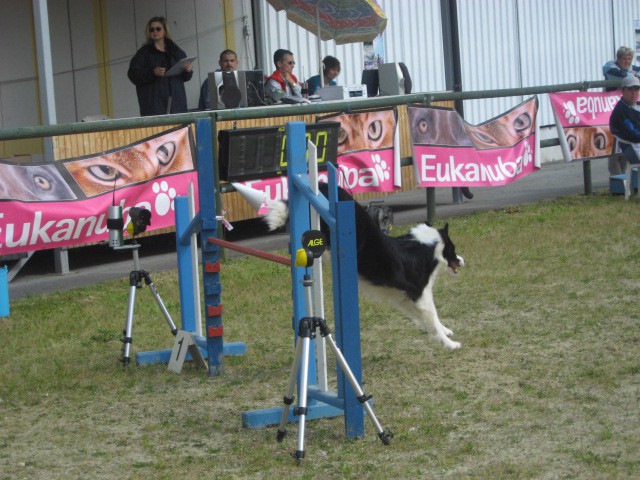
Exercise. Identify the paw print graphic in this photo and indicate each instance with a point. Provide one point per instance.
(570, 113)
(527, 158)
(381, 167)
(164, 197)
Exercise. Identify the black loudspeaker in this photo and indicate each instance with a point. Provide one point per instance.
(406, 76)
(254, 80)
(231, 93)
(371, 80)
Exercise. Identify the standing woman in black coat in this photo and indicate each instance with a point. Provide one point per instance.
(157, 94)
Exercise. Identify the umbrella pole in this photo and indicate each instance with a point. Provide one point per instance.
(319, 44)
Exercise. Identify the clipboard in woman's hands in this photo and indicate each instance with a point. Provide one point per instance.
(178, 68)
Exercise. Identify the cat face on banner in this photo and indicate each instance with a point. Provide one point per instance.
(431, 126)
(586, 142)
(135, 164)
(366, 131)
(506, 130)
(33, 183)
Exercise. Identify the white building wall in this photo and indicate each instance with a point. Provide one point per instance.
(489, 54)
(18, 87)
(560, 44)
(414, 36)
(123, 38)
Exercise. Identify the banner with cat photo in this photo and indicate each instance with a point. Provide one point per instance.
(582, 120)
(368, 159)
(368, 150)
(65, 203)
(449, 152)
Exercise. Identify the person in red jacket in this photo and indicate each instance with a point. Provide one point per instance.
(159, 94)
(282, 83)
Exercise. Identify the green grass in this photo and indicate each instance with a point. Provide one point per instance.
(546, 384)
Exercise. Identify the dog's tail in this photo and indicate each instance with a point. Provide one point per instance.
(277, 214)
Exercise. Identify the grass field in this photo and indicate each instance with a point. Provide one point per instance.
(546, 384)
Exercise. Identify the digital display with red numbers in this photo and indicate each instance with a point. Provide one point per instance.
(253, 153)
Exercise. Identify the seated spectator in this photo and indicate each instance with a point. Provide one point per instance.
(330, 70)
(624, 123)
(620, 67)
(282, 84)
(228, 62)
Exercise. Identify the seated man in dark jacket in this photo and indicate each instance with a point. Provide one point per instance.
(624, 123)
(228, 63)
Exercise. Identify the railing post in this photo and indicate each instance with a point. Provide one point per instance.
(586, 164)
(431, 204)
(586, 173)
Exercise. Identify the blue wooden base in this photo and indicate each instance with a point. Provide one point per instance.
(616, 185)
(321, 404)
(163, 356)
(271, 416)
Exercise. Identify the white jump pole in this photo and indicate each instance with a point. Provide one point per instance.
(318, 287)
(195, 265)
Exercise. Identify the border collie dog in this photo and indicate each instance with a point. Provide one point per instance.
(399, 271)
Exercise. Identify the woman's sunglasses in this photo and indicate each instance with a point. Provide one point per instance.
(155, 29)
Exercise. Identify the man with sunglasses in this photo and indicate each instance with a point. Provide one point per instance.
(282, 84)
(159, 94)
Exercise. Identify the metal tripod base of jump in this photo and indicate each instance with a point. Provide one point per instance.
(306, 331)
(135, 282)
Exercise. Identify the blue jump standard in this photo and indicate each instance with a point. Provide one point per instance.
(340, 217)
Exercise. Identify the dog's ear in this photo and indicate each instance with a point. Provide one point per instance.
(446, 229)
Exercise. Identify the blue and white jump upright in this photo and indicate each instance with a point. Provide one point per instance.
(205, 223)
(341, 220)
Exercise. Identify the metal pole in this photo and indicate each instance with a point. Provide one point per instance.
(586, 173)
(453, 71)
(318, 44)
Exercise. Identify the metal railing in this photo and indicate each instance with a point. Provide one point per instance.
(426, 98)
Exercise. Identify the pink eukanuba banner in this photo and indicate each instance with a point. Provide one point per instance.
(65, 203)
(449, 152)
(582, 122)
(583, 109)
(466, 166)
(30, 226)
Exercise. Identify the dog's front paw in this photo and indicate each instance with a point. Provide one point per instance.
(447, 331)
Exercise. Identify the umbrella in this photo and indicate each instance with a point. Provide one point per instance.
(344, 21)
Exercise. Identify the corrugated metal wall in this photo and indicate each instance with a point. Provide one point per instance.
(413, 35)
(504, 44)
(489, 54)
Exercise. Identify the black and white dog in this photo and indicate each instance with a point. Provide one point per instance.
(399, 271)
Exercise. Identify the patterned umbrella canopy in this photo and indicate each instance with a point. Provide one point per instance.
(344, 21)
